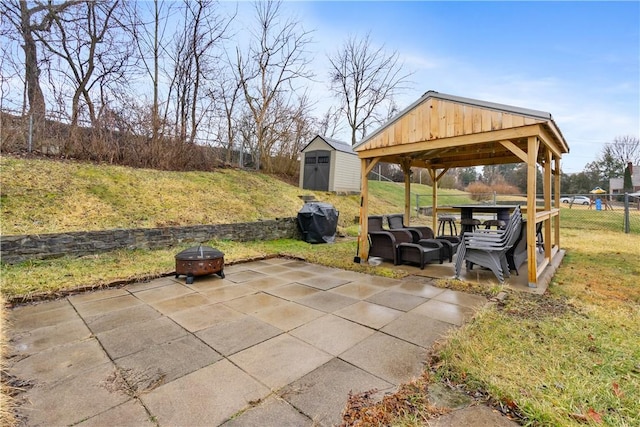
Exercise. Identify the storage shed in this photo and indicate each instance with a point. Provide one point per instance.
(327, 164)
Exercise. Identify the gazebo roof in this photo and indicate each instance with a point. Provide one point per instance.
(444, 131)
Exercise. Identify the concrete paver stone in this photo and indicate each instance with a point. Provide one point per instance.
(33, 317)
(272, 411)
(420, 289)
(461, 298)
(61, 362)
(172, 290)
(322, 282)
(268, 282)
(327, 301)
(451, 313)
(332, 334)
(322, 394)
(138, 336)
(199, 318)
(231, 337)
(228, 293)
(165, 362)
(125, 317)
(74, 399)
(270, 362)
(357, 289)
(182, 302)
(94, 308)
(97, 295)
(397, 300)
(389, 358)
(243, 276)
(288, 316)
(255, 302)
(207, 397)
(368, 314)
(279, 342)
(292, 291)
(35, 340)
(417, 329)
(129, 414)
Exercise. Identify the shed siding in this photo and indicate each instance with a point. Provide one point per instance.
(346, 175)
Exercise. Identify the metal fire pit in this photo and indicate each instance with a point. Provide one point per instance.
(199, 261)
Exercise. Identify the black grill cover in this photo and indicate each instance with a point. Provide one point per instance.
(318, 222)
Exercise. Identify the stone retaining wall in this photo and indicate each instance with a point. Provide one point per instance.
(14, 249)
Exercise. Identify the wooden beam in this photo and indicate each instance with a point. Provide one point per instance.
(455, 141)
(406, 169)
(547, 200)
(532, 151)
(363, 235)
(514, 149)
(441, 174)
(434, 199)
(556, 203)
(370, 165)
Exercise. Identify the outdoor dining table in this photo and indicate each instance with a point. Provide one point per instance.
(467, 211)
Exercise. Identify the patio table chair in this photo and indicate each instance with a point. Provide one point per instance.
(488, 249)
(424, 233)
(384, 243)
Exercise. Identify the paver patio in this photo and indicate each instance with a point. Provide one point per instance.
(277, 342)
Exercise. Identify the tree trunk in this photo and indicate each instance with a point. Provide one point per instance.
(32, 73)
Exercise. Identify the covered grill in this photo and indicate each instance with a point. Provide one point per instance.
(318, 222)
(199, 261)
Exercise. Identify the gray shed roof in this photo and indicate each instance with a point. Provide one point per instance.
(335, 144)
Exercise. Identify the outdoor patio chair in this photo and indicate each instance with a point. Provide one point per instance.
(424, 233)
(420, 253)
(488, 249)
(384, 243)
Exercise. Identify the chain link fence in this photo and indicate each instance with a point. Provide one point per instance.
(577, 211)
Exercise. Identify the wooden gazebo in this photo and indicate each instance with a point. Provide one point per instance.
(439, 132)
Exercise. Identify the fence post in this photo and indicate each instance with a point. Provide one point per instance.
(417, 206)
(627, 228)
(494, 197)
(30, 132)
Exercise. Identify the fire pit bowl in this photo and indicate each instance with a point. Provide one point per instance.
(199, 261)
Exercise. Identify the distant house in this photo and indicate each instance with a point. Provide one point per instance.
(616, 185)
(327, 164)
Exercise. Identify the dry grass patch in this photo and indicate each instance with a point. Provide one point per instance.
(567, 357)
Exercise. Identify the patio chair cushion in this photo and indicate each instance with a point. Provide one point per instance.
(419, 254)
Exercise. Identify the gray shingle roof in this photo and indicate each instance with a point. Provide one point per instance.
(335, 144)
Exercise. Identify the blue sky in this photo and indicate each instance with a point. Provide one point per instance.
(580, 61)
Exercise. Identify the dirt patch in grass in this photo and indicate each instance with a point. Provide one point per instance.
(534, 307)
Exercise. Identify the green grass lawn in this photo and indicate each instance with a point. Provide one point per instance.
(569, 357)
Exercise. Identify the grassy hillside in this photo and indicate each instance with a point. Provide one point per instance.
(42, 196)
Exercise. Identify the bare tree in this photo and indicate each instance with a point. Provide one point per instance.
(329, 123)
(151, 42)
(364, 79)
(276, 60)
(625, 149)
(93, 53)
(228, 92)
(30, 19)
(194, 57)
